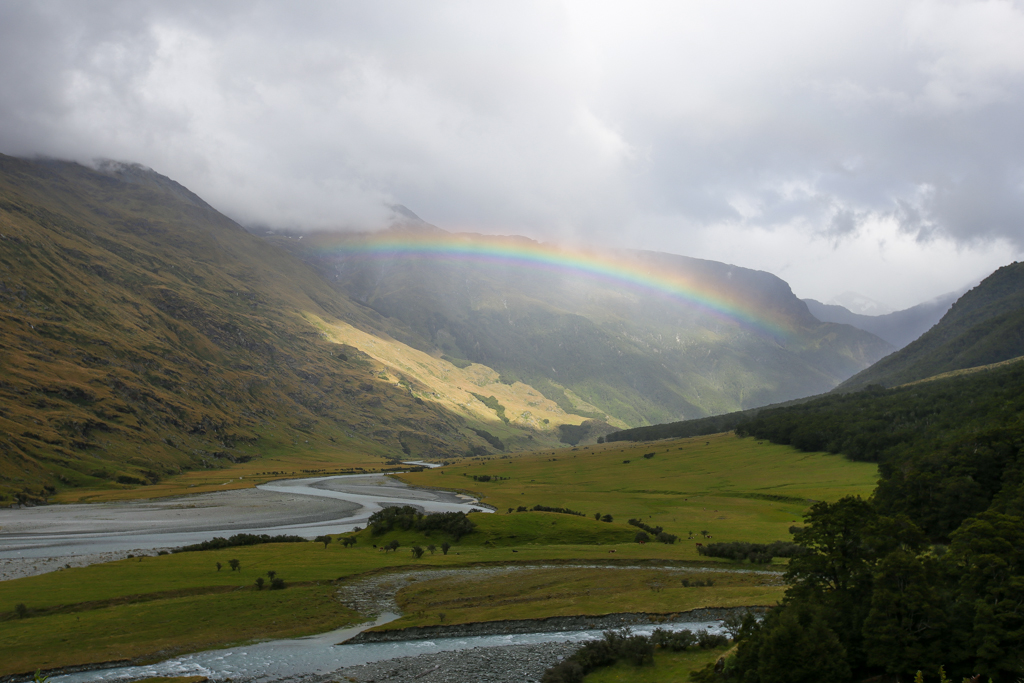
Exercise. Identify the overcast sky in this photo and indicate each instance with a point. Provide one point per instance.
(873, 146)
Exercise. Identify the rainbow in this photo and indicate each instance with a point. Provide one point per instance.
(520, 251)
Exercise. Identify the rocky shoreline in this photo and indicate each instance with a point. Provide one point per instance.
(603, 622)
(507, 664)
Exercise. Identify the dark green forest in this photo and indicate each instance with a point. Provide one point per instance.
(925, 574)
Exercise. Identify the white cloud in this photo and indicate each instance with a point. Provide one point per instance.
(887, 131)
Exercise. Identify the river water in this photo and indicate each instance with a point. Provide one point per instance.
(321, 654)
(304, 507)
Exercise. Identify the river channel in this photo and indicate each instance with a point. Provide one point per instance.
(298, 658)
(303, 507)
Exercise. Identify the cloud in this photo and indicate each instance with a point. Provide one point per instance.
(656, 124)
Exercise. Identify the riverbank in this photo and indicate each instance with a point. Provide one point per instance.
(506, 664)
(604, 622)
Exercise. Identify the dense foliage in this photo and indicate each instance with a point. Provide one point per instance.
(685, 428)
(218, 542)
(406, 518)
(761, 553)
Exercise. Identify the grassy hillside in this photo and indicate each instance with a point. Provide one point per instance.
(143, 334)
(595, 346)
(984, 326)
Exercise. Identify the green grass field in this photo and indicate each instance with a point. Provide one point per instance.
(576, 591)
(737, 489)
(668, 666)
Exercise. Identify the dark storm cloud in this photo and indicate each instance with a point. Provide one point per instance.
(666, 125)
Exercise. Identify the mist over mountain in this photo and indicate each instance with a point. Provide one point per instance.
(984, 326)
(859, 304)
(595, 345)
(899, 328)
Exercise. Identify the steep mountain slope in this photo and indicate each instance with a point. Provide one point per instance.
(986, 325)
(898, 328)
(575, 325)
(142, 333)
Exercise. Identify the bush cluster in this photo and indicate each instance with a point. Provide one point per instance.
(406, 517)
(758, 553)
(218, 542)
(656, 531)
(626, 646)
(545, 508)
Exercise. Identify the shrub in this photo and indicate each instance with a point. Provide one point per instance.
(237, 540)
(406, 517)
(676, 641)
(21, 610)
(277, 583)
(259, 583)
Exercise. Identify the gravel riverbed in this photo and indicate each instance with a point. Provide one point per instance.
(509, 664)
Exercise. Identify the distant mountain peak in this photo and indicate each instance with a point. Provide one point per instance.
(860, 304)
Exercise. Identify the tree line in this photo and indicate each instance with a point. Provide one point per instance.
(929, 572)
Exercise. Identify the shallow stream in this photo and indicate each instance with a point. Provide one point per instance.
(321, 654)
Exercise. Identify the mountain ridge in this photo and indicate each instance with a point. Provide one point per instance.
(638, 357)
(984, 326)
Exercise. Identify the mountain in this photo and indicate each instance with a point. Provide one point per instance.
(984, 326)
(627, 337)
(859, 304)
(898, 328)
(143, 333)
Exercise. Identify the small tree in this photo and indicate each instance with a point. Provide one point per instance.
(348, 540)
(445, 546)
(417, 551)
(21, 610)
(323, 539)
(219, 565)
(431, 548)
(607, 518)
(276, 584)
(641, 537)
(271, 574)
(393, 545)
(259, 583)
(235, 565)
(597, 516)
